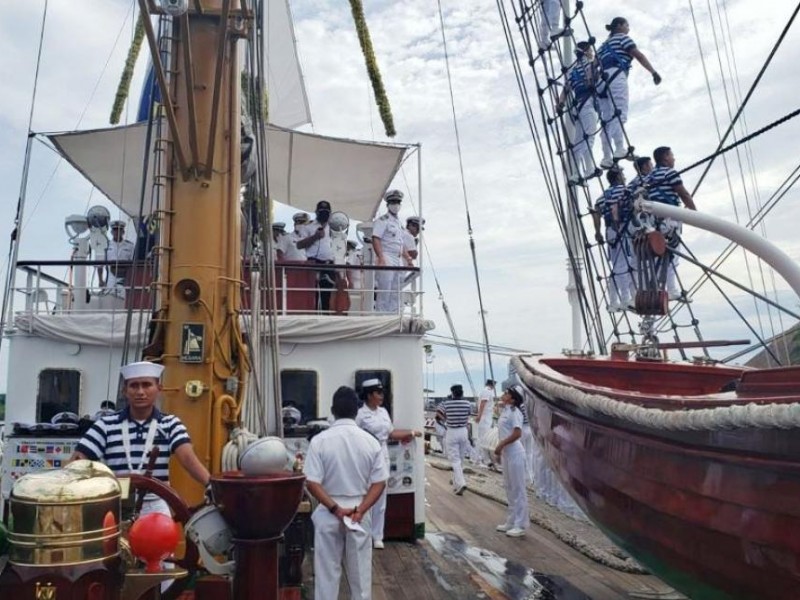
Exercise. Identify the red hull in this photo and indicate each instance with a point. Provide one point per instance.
(712, 510)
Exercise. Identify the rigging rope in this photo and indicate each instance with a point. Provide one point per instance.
(464, 193)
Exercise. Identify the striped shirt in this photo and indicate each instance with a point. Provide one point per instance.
(580, 79)
(660, 186)
(103, 441)
(456, 412)
(614, 53)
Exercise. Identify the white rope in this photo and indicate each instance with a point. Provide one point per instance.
(239, 440)
(740, 416)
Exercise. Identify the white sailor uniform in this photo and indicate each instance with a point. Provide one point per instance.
(117, 251)
(485, 423)
(378, 423)
(615, 59)
(389, 231)
(514, 476)
(345, 460)
(456, 412)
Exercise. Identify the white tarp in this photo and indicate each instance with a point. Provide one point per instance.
(108, 329)
(303, 168)
(288, 103)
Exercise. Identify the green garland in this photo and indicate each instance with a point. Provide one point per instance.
(372, 67)
(127, 73)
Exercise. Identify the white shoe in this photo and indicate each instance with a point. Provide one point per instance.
(515, 532)
(606, 163)
(620, 153)
(377, 544)
(503, 528)
(614, 307)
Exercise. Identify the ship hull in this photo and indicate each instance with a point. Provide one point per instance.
(711, 509)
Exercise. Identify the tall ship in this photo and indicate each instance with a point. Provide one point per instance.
(253, 343)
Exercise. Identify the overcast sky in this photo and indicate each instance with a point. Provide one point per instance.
(519, 250)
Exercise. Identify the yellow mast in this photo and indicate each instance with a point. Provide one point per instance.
(199, 337)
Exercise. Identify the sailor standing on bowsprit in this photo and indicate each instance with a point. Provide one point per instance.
(317, 244)
(456, 412)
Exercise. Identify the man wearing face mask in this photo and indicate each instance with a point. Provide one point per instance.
(387, 244)
(317, 244)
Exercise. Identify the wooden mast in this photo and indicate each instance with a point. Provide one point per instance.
(199, 339)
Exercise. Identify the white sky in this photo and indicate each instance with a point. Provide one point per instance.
(520, 255)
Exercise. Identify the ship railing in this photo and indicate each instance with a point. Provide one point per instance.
(297, 288)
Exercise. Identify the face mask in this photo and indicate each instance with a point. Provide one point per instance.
(393, 208)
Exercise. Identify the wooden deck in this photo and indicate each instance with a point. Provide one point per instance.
(463, 557)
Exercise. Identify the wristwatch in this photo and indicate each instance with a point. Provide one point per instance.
(333, 508)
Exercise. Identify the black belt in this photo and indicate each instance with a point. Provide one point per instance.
(321, 262)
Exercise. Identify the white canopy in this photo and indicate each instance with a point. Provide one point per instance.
(303, 168)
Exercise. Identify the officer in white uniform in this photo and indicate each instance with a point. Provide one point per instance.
(375, 420)
(387, 244)
(119, 249)
(292, 252)
(510, 448)
(281, 241)
(484, 418)
(346, 472)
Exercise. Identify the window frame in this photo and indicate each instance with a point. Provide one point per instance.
(315, 402)
(39, 392)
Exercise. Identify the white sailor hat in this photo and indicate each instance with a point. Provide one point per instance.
(393, 196)
(141, 369)
(372, 383)
(117, 224)
(300, 217)
(279, 225)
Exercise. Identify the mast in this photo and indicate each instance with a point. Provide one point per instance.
(197, 334)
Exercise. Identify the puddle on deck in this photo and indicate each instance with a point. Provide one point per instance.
(511, 579)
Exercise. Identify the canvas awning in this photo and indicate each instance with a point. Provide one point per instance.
(303, 168)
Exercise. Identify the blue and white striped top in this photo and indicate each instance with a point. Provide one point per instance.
(614, 53)
(456, 412)
(103, 441)
(660, 185)
(581, 79)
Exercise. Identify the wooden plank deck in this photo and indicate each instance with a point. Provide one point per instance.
(464, 557)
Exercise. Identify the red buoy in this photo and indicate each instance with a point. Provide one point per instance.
(153, 537)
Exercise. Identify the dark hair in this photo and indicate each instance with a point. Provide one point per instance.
(614, 176)
(457, 391)
(581, 48)
(515, 396)
(641, 162)
(108, 405)
(490, 382)
(345, 403)
(616, 23)
(660, 153)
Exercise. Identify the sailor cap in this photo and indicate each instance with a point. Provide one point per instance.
(117, 224)
(279, 225)
(372, 383)
(141, 369)
(300, 217)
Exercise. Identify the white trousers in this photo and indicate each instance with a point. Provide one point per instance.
(333, 542)
(378, 511)
(514, 478)
(458, 447)
(387, 285)
(484, 454)
(527, 443)
(549, 20)
(584, 125)
(619, 259)
(616, 99)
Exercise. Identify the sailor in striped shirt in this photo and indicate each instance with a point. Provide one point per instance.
(615, 56)
(456, 412)
(664, 184)
(124, 439)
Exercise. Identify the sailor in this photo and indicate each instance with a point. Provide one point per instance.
(280, 241)
(456, 413)
(346, 472)
(373, 418)
(354, 258)
(616, 55)
(549, 22)
(484, 418)
(411, 238)
(292, 252)
(665, 185)
(510, 448)
(319, 250)
(614, 209)
(387, 243)
(119, 249)
(123, 440)
(580, 85)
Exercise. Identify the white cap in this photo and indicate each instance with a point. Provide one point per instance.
(371, 383)
(117, 223)
(141, 369)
